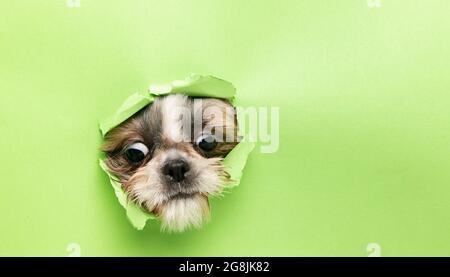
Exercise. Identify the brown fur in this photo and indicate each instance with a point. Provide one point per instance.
(146, 127)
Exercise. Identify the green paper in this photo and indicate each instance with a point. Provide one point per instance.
(363, 96)
(235, 161)
(131, 106)
(194, 85)
(135, 214)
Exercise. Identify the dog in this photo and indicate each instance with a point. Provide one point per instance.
(168, 157)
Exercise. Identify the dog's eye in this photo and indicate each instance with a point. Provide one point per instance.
(136, 152)
(206, 142)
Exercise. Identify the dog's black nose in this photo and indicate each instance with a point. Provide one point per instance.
(176, 169)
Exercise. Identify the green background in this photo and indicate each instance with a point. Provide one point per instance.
(364, 102)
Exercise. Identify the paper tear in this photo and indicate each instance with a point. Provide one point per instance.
(197, 86)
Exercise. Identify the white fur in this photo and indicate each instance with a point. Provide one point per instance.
(208, 179)
(148, 189)
(182, 213)
(173, 108)
(178, 214)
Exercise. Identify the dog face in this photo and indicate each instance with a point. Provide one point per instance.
(168, 157)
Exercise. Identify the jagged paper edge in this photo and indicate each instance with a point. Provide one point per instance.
(234, 162)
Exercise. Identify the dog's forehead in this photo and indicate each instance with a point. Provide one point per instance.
(169, 118)
(164, 118)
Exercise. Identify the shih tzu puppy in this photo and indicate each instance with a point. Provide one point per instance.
(168, 157)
